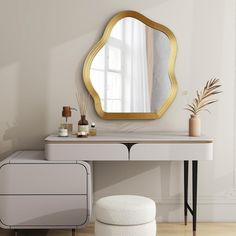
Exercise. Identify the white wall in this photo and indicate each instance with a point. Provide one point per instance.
(42, 48)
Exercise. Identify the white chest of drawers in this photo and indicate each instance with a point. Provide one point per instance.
(35, 193)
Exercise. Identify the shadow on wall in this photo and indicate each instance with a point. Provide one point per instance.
(28, 130)
(112, 178)
(162, 181)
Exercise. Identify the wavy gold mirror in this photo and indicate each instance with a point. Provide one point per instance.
(130, 71)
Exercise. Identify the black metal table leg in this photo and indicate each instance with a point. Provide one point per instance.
(185, 192)
(194, 185)
(73, 232)
(16, 232)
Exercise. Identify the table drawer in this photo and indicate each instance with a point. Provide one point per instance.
(43, 179)
(44, 210)
(87, 152)
(172, 151)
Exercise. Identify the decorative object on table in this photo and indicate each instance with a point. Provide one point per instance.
(82, 134)
(83, 125)
(93, 130)
(199, 104)
(66, 112)
(194, 126)
(62, 132)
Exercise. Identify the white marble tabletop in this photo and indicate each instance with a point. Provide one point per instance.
(130, 137)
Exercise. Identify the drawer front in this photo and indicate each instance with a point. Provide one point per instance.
(43, 179)
(44, 210)
(87, 152)
(172, 151)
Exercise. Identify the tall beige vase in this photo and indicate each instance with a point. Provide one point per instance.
(194, 126)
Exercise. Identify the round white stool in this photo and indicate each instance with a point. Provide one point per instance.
(125, 215)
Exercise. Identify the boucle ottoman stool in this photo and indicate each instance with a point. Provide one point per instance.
(125, 215)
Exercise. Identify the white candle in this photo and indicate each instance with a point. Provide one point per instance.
(63, 132)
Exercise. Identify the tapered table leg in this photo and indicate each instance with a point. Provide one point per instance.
(194, 179)
(185, 192)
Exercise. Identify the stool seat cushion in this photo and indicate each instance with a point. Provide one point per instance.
(148, 229)
(125, 210)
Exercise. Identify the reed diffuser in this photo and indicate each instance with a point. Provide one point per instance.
(83, 125)
(199, 104)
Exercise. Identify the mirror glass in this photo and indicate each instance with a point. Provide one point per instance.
(130, 72)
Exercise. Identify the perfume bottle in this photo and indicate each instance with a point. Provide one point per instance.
(93, 130)
(83, 125)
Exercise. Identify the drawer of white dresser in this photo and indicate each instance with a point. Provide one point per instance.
(43, 210)
(172, 151)
(87, 151)
(43, 179)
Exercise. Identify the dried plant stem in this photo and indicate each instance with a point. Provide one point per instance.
(201, 101)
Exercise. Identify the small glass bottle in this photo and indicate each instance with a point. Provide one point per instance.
(83, 125)
(93, 130)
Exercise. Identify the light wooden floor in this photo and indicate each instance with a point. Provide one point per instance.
(204, 229)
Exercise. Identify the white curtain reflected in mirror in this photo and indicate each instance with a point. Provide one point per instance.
(130, 73)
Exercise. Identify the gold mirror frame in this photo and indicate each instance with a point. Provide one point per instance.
(102, 42)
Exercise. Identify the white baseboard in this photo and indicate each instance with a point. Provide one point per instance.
(206, 213)
(209, 209)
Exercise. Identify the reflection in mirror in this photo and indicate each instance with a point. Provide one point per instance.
(130, 72)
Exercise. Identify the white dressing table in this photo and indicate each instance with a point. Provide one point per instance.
(137, 147)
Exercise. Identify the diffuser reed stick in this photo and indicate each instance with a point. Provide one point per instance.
(83, 125)
(82, 100)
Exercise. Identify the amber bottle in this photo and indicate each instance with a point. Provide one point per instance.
(83, 125)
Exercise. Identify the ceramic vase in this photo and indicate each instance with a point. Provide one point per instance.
(194, 126)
